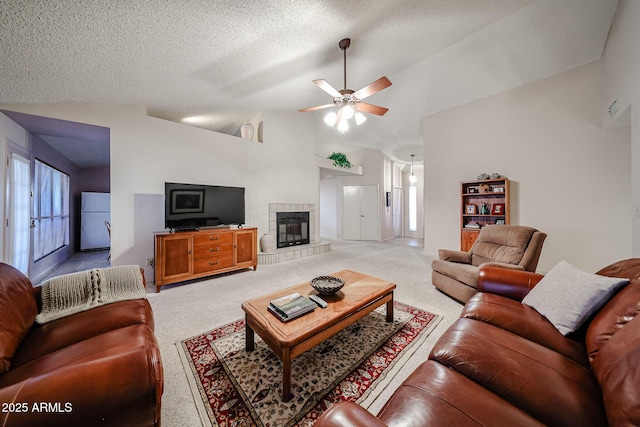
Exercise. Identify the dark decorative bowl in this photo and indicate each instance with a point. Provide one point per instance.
(327, 285)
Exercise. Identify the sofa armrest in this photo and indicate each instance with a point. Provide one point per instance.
(454, 256)
(507, 282)
(347, 414)
(121, 390)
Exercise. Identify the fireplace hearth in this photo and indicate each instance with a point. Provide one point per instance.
(292, 228)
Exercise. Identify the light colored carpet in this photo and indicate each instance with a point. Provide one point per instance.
(185, 310)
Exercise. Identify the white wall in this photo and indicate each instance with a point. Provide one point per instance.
(146, 152)
(329, 206)
(377, 170)
(622, 84)
(570, 178)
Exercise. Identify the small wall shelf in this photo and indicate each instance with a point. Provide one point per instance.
(327, 165)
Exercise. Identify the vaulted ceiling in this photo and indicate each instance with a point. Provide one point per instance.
(225, 61)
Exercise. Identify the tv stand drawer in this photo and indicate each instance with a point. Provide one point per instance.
(213, 263)
(218, 238)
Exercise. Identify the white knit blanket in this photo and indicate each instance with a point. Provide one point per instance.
(72, 293)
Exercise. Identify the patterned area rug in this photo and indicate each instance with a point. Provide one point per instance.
(233, 387)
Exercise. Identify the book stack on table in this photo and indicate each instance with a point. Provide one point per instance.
(291, 306)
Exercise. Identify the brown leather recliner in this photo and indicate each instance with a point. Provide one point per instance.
(510, 246)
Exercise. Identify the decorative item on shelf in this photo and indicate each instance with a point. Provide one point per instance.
(483, 176)
(473, 190)
(472, 224)
(495, 175)
(498, 209)
(470, 209)
(484, 209)
(327, 285)
(246, 130)
(498, 189)
(500, 222)
(340, 160)
(267, 243)
(485, 188)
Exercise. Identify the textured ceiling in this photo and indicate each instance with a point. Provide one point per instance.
(227, 61)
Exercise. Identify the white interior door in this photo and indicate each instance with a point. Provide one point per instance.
(18, 212)
(369, 212)
(360, 212)
(351, 212)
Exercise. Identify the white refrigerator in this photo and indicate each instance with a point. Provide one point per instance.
(95, 209)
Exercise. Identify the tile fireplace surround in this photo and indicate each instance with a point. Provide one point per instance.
(294, 252)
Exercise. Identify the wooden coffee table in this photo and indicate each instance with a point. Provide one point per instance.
(360, 295)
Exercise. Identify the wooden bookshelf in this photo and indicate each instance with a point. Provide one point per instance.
(482, 203)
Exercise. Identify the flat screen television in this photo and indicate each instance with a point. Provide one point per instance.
(191, 206)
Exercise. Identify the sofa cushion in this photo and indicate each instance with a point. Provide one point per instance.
(568, 296)
(524, 321)
(52, 336)
(503, 244)
(18, 310)
(531, 377)
(435, 395)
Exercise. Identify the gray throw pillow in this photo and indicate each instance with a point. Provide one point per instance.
(567, 296)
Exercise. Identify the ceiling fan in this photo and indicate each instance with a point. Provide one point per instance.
(349, 102)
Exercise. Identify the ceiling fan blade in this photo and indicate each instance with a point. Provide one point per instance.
(319, 107)
(325, 86)
(370, 89)
(370, 108)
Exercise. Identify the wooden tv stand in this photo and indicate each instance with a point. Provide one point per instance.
(187, 255)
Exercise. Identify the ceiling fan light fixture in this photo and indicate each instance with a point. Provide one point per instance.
(331, 118)
(347, 102)
(348, 111)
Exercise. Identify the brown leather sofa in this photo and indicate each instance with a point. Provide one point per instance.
(503, 364)
(510, 246)
(98, 367)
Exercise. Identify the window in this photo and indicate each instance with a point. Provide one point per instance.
(413, 209)
(51, 210)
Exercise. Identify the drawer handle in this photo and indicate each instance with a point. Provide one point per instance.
(213, 262)
(214, 237)
(216, 249)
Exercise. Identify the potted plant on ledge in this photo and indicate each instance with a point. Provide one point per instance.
(340, 160)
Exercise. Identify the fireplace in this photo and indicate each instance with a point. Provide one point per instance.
(292, 228)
